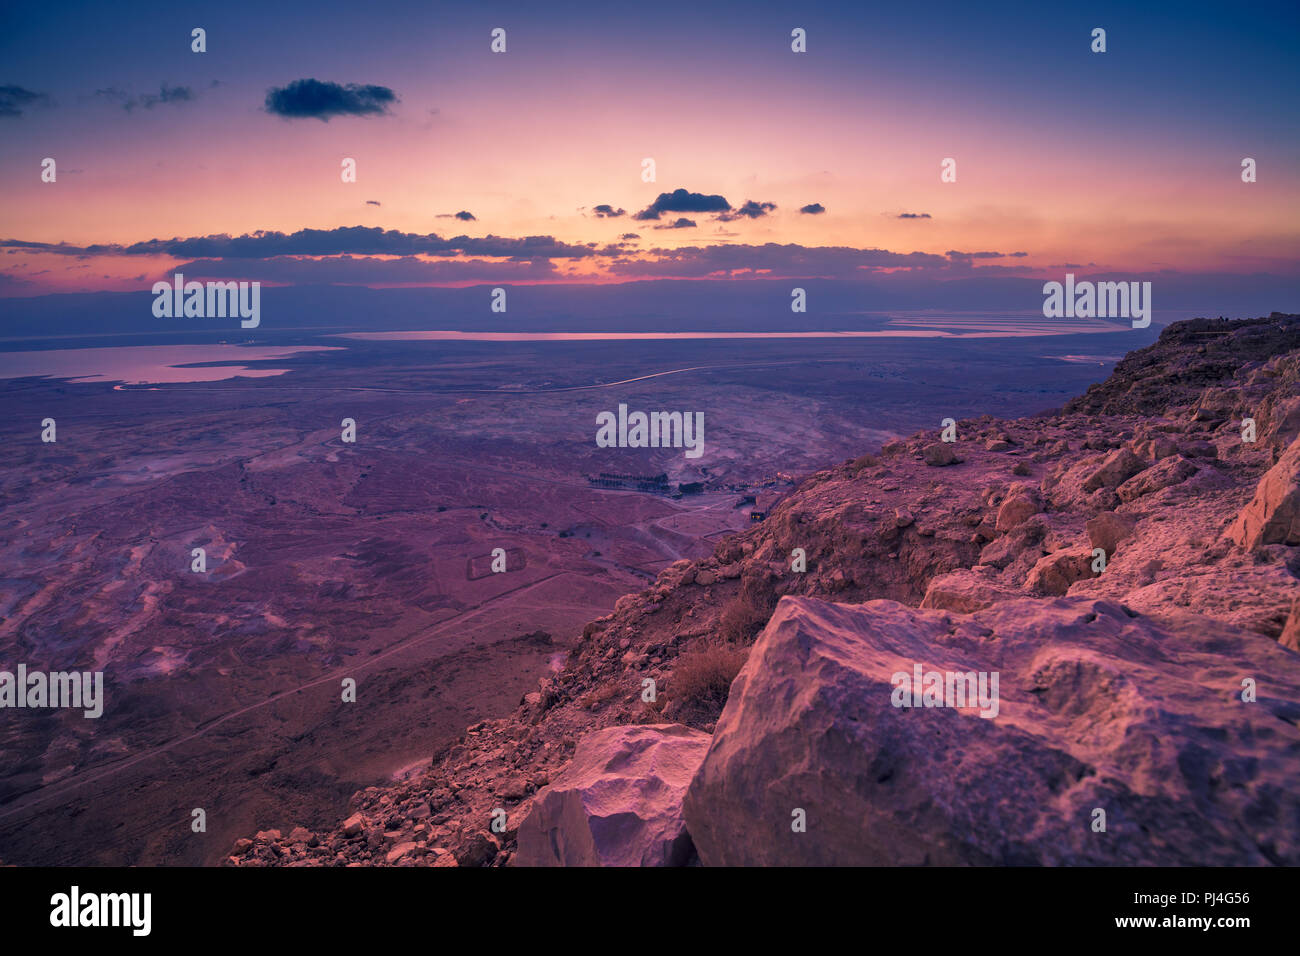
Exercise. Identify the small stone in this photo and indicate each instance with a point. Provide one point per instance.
(1016, 510)
(1199, 448)
(1164, 474)
(939, 454)
(1118, 467)
(1108, 529)
(398, 852)
(1054, 573)
(478, 850)
(1291, 632)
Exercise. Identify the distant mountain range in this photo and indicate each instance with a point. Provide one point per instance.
(655, 305)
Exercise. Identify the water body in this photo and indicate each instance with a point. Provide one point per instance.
(146, 364)
(199, 363)
(910, 327)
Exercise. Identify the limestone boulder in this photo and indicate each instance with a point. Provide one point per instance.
(1054, 573)
(1108, 529)
(1021, 504)
(1156, 447)
(1283, 424)
(939, 454)
(1215, 405)
(964, 590)
(1115, 469)
(1273, 515)
(1166, 473)
(1290, 637)
(618, 802)
(818, 759)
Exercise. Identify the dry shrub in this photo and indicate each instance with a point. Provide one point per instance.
(701, 680)
(652, 711)
(742, 618)
(728, 549)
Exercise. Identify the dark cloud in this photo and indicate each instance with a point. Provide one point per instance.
(463, 216)
(373, 202)
(954, 254)
(680, 200)
(630, 235)
(750, 210)
(14, 99)
(321, 99)
(357, 240)
(362, 270)
(166, 94)
(774, 260)
(606, 211)
(965, 261)
(914, 215)
(363, 255)
(813, 208)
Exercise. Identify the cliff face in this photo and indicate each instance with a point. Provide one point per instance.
(1139, 510)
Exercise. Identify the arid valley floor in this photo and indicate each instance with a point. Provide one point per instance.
(372, 560)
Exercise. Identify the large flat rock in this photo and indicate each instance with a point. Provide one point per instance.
(618, 802)
(1097, 710)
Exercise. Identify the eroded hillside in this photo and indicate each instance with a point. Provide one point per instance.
(1198, 531)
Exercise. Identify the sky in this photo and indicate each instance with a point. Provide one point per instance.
(474, 166)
